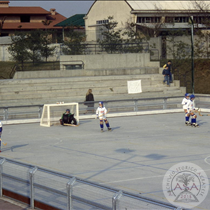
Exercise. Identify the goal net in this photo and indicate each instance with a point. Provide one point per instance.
(52, 113)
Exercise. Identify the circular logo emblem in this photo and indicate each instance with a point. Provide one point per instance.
(185, 185)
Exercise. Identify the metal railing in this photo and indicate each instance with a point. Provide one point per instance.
(64, 191)
(115, 106)
(87, 48)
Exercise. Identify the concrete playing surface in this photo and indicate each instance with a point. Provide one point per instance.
(134, 157)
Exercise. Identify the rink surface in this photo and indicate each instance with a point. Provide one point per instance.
(134, 157)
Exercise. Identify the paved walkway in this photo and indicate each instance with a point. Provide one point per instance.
(9, 204)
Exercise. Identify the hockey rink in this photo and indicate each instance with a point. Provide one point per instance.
(133, 157)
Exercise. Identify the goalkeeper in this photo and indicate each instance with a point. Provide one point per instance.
(68, 118)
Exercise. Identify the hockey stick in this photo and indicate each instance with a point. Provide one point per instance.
(203, 114)
(3, 142)
(197, 110)
(71, 125)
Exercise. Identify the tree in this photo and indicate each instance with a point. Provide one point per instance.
(2, 23)
(111, 38)
(132, 39)
(18, 48)
(73, 44)
(125, 40)
(34, 44)
(46, 51)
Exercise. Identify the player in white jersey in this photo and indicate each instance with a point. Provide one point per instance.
(191, 110)
(184, 105)
(101, 114)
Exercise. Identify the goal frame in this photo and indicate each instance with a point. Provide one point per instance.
(47, 107)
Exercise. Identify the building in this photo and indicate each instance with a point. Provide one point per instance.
(75, 22)
(157, 17)
(13, 19)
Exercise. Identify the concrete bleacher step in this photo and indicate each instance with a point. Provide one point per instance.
(73, 89)
(74, 84)
(90, 82)
(20, 102)
(36, 85)
(89, 72)
(75, 92)
(77, 79)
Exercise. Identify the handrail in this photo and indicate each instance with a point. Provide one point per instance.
(91, 183)
(12, 73)
(135, 106)
(106, 101)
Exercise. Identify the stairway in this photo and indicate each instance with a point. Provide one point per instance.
(17, 92)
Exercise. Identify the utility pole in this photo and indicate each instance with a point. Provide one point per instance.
(192, 52)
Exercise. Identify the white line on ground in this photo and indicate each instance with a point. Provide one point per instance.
(127, 180)
(205, 160)
(148, 177)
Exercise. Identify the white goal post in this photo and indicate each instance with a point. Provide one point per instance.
(52, 113)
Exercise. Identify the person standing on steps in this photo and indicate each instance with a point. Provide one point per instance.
(169, 64)
(166, 74)
(89, 97)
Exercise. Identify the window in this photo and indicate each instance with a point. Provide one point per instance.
(73, 66)
(148, 19)
(100, 22)
(25, 18)
(177, 19)
(201, 20)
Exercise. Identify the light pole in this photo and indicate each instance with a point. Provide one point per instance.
(192, 52)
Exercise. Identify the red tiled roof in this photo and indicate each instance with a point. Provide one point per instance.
(23, 26)
(23, 10)
(57, 18)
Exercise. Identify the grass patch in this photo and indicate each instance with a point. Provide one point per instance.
(6, 67)
(182, 70)
(39, 66)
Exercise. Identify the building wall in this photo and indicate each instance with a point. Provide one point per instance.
(16, 18)
(101, 10)
(37, 18)
(11, 18)
(5, 56)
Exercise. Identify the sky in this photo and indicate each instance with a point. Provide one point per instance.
(66, 8)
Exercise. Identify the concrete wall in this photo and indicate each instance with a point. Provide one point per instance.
(99, 65)
(5, 55)
(110, 61)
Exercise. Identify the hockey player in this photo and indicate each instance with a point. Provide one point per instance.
(191, 110)
(67, 118)
(184, 104)
(101, 114)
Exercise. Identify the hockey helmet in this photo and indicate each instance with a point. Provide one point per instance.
(101, 102)
(192, 96)
(68, 110)
(187, 94)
